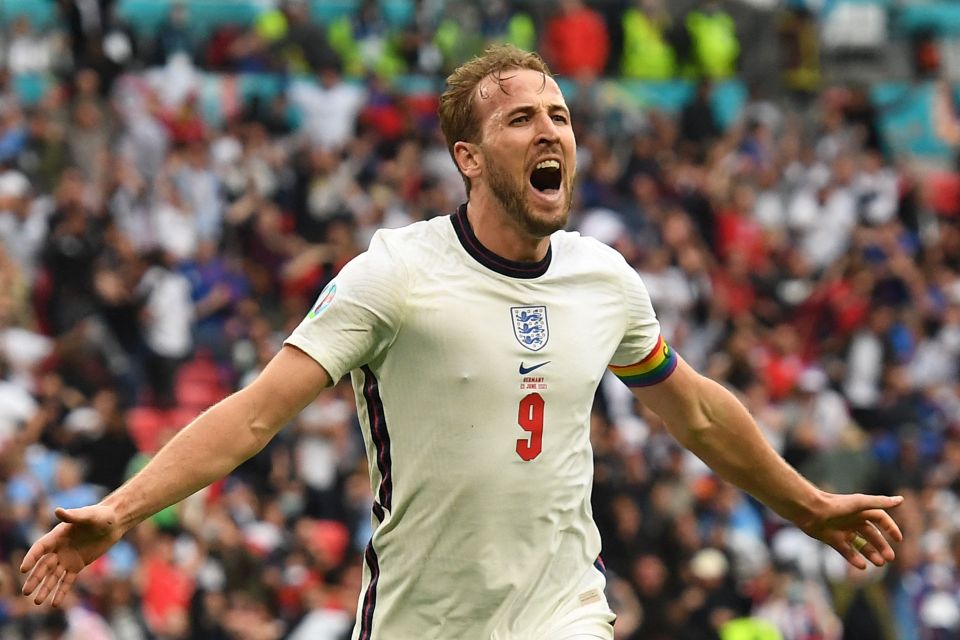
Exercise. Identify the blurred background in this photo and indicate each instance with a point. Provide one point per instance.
(179, 180)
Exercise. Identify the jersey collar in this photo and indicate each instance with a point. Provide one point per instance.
(489, 259)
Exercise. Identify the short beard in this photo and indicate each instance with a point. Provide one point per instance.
(509, 192)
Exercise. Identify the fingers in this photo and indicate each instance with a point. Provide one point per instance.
(878, 543)
(49, 578)
(65, 515)
(64, 588)
(37, 551)
(47, 560)
(872, 546)
(882, 521)
(878, 530)
(49, 584)
(44, 545)
(850, 554)
(43, 568)
(73, 516)
(858, 542)
(55, 582)
(871, 532)
(864, 502)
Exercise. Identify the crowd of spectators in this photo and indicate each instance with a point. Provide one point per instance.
(152, 261)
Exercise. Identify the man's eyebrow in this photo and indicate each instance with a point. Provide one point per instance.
(523, 108)
(529, 108)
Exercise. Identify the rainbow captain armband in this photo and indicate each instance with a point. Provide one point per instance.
(655, 368)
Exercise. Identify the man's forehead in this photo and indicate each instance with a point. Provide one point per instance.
(516, 85)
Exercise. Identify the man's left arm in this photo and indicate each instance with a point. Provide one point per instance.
(708, 420)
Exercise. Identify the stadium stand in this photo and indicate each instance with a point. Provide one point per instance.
(175, 191)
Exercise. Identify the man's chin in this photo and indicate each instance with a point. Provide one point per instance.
(543, 221)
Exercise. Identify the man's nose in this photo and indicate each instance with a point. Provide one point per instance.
(547, 131)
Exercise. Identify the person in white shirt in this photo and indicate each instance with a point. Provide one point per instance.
(330, 107)
(475, 343)
(168, 316)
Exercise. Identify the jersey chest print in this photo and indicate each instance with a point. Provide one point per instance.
(530, 326)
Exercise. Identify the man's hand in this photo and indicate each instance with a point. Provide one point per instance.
(857, 526)
(54, 560)
(709, 421)
(207, 449)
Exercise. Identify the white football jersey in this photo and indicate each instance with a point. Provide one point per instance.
(474, 378)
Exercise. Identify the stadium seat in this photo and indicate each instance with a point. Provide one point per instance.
(145, 425)
(179, 417)
(41, 13)
(329, 10)
(207, 14)
(398, 13)
(199, 384)
(942, 18)
(942, 192)
(145, 16)
(31, 87)
(150, 427)
(904, 119)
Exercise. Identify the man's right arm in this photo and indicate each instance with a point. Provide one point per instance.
(207, 449)
(221, 438)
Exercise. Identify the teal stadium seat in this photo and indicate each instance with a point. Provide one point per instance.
(397, 13)
(204, 15)
(669, 96)
(942, 18)
(327, 11)
(905, 119)
(144, 15)
(31, 87)
(41, 13)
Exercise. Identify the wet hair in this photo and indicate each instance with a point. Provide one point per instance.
(458, 118)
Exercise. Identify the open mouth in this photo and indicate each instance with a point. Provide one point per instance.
(546, 176)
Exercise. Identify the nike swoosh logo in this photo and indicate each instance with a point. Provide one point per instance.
(525, 370)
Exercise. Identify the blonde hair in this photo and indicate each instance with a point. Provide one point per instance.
(458, 119)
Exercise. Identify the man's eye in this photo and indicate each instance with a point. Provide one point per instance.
(559, 118)
(519, 119)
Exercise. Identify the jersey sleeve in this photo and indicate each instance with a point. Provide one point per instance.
(643, 357)
(358, 313)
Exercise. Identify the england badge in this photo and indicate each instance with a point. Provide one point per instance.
(530, 326)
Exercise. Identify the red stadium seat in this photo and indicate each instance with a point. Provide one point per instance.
(199, 384)
(179, 417)
(151, 427)
(942, 192)
(144, 425)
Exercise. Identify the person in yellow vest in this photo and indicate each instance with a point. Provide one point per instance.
(647, 52)
(458, 35)
(713, 43)
(799, 40)
(505, 24)
(749, 629)
(366, 42)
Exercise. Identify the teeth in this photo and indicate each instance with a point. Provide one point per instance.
(548, 164)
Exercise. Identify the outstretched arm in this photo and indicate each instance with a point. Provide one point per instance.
(205, 450)
(709, 421)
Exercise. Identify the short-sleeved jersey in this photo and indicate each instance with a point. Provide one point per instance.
(474, 378)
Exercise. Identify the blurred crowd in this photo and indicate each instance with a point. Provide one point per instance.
(152, 260)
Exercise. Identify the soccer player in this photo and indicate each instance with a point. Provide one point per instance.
(475, 343)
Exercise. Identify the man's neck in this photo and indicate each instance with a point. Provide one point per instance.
(499, 233)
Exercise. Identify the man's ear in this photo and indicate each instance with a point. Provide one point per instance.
(469, 158)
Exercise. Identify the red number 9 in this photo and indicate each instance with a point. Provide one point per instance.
(530, 418)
